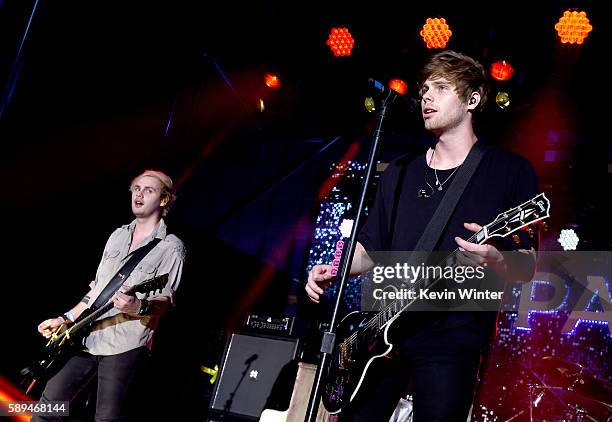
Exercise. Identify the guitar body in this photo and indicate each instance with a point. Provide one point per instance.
(58, 350)
(60, 347)
(65, 342)
(363, 337)
(358, 345)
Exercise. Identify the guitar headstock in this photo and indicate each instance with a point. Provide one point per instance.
(506, 223)
(149, 285)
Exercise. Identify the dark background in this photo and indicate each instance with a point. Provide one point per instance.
(105, 89)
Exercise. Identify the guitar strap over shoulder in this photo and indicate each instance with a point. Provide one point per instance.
(434, 228)
(123, 273)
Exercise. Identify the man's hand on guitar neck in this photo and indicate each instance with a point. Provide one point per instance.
(485, 254)
(126, 303)
(130, 304)
(521, 268)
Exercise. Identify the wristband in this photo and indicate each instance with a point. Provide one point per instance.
(68, 315)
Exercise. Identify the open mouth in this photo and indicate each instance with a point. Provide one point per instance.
(428, 112)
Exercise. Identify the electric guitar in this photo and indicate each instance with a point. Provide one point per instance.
(67, 340)
(363, 337)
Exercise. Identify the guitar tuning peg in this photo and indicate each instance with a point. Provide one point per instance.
(516, 239)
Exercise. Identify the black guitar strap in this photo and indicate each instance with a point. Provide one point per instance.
(432, 232)
(123, 273)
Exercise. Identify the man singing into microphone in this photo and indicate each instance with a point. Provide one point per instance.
(440, 357)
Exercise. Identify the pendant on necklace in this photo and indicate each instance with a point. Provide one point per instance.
(440, 187)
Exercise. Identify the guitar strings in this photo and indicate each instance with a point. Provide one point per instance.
(377, 320)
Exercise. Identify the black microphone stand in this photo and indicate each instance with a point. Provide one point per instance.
(329, 337)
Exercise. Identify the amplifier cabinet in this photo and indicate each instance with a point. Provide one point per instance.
(251, 365)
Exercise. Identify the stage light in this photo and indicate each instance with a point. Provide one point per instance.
(398, 86)
(502, 70)
(436, 32)
(502, 99)
(340, 41)
(272, 81)
(369, 104)
(261, 106)
(573, 27)
(568, 239)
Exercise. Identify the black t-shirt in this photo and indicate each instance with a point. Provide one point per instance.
(399, 216)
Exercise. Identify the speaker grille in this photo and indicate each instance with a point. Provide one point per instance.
(251, 366)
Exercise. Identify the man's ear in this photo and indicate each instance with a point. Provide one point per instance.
(474, 100)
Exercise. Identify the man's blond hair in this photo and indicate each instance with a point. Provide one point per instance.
(167, 194)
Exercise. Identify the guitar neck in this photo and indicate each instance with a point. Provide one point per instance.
(87, 318)
(397, 306)
(81, 323)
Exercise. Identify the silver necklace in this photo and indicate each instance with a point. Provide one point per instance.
(438, 184)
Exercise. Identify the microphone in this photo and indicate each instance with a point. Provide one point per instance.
(390, 94)
(381, 88)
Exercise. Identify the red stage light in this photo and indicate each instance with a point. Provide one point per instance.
(502, 70)
(11, 394)
(272, 81)
(573, 27)
(340, 41)
(398, 86)
(436, 32)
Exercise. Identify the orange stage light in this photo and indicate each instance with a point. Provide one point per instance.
(573, 27)
(11, 394)
(272, 81)
(502, 70)
(436, 32)
(341, 42)
(398, 86)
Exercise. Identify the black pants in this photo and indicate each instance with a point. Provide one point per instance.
(441, 374)
(115, 375)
